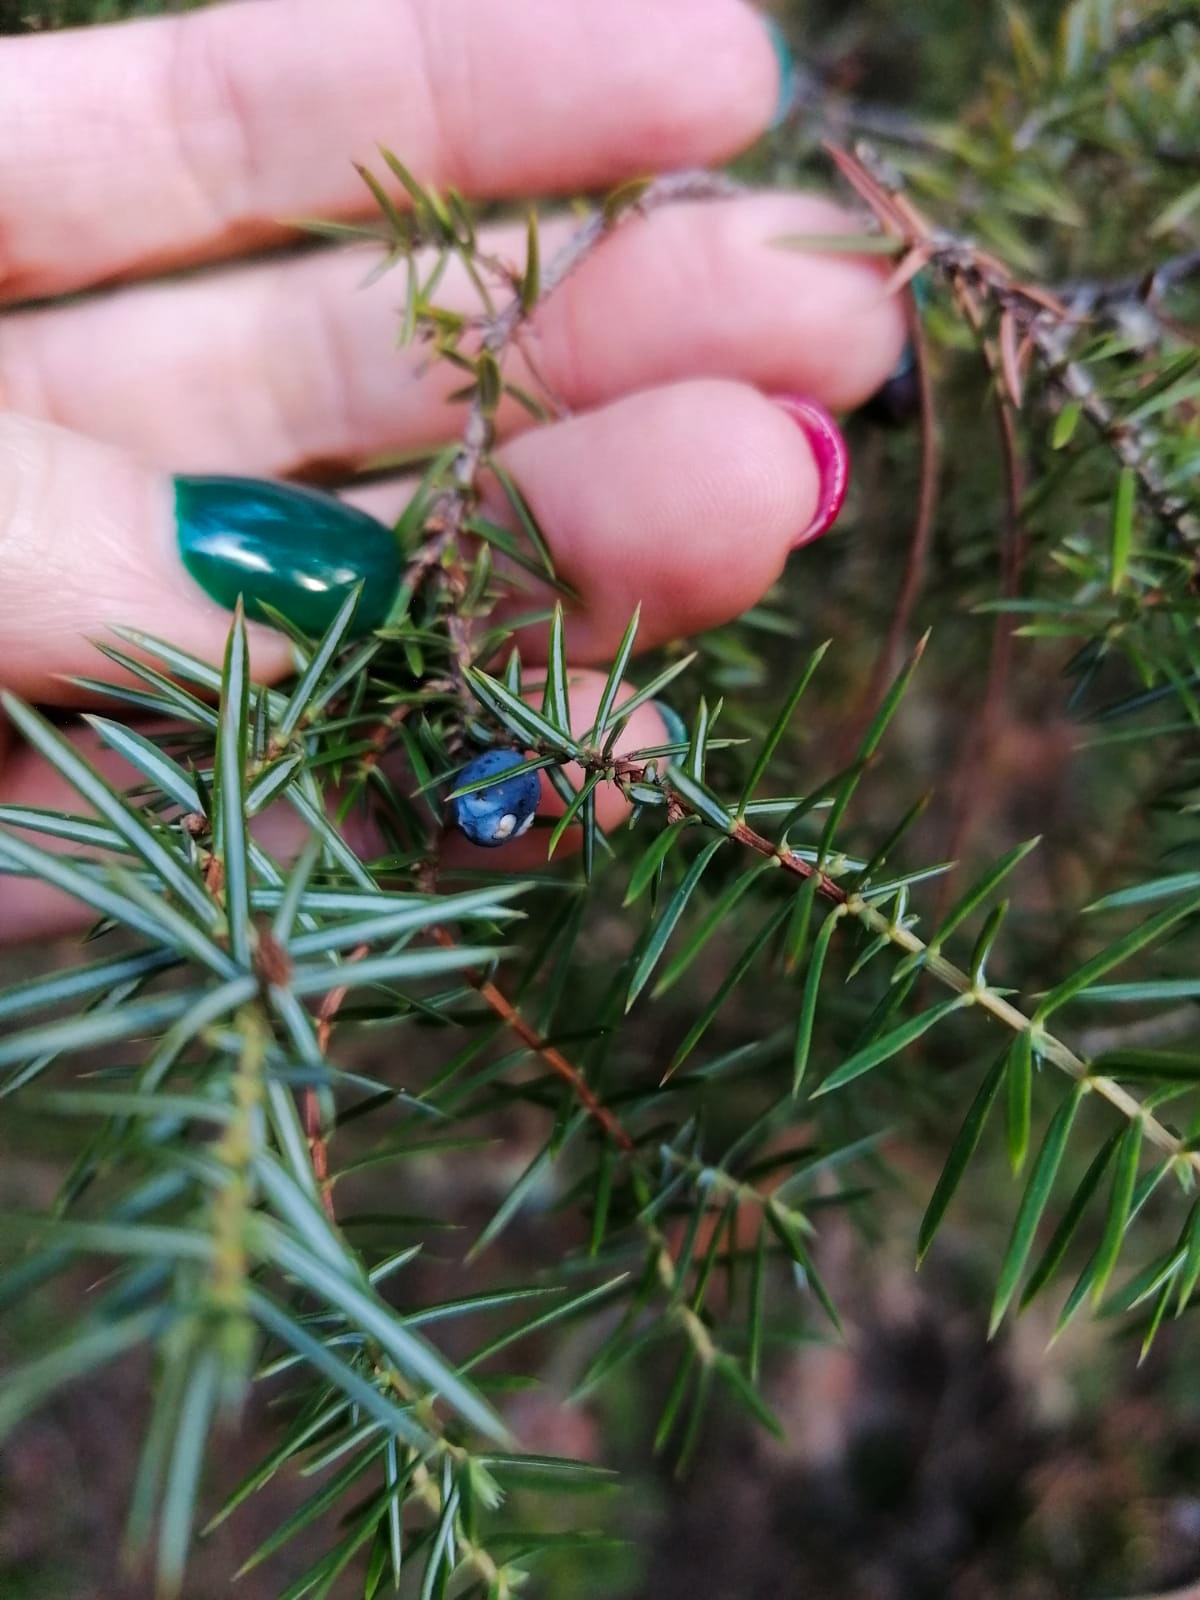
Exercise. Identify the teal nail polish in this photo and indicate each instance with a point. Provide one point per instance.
(906, 364)
(898, 400)
(787, 73)
(280, 545)
(921, 296)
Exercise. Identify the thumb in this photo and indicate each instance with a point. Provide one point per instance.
(91, 538)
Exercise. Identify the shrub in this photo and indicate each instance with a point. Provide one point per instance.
(724, 1023)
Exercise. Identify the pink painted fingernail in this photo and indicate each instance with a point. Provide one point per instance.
(832, 458)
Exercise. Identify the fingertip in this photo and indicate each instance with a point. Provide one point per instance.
(89, 539)
(684, 499)
(854, 329)
(731, 81)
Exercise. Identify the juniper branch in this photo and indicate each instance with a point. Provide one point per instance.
(846, 903)
(1040, 318)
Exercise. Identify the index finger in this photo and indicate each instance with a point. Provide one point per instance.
(149, 144)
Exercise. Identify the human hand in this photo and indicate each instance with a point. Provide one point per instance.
(133, 151)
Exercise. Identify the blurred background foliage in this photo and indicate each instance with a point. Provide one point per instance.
(920, 1459)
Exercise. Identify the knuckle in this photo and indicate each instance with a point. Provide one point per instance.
(211, 121)
(308, 376)
(447, 73)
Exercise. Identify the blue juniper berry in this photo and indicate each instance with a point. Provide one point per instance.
(505, 809)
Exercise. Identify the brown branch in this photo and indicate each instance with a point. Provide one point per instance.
(512, 1018)
(971, 773)
(310, 1104)
(1139, 288)
(1127, 441)
(1040, 319)
(899, 934)
(553, 1058)
(318, 1149)
(557, 1062)
(828, 888)
(672, 189)
(382, 735)
(922, 534)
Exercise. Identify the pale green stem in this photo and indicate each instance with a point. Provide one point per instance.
(1045, 1044)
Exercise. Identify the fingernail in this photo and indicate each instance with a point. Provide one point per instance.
(906, 364)
(832, 458)
(919, 289)
(787, 73)
(293, 549)
(897, 401)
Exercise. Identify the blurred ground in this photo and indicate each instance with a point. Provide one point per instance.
(921, 1463)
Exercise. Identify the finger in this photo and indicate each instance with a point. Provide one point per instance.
(90, 540)
(128, 148)
(685, 500)
(30, 909)
(267, 368)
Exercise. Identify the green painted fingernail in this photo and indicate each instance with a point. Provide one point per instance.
(787, 72)
(293, 549)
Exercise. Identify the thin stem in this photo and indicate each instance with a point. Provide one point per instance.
(502, 330)
(1138, 288)
(310, 1100)
(1047, 1045)
(1040, 318)
(922, 534)
(1003, 1011)
(971, 775)
(235, 1150)
(553, 1058)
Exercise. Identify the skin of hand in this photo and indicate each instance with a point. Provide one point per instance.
(161, 377)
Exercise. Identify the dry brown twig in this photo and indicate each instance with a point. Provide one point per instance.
(1032, 320)
(920, 540)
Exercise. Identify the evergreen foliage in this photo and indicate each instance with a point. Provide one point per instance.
(200, 1057)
